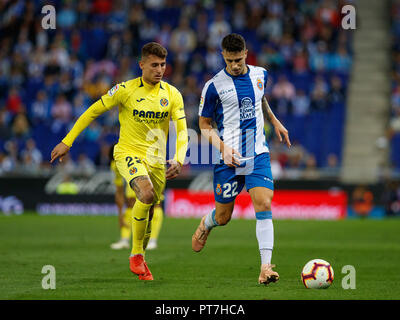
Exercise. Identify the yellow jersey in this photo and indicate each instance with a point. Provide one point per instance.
(144, 114)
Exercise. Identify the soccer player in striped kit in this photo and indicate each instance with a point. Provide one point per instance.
(234, 99)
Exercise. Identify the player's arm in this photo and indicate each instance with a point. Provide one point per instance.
(179, 118)
(208, 102)
(119, 201)
(176, 164)
(278, 126)
(230, 155)
(94, 111)
(112, 98)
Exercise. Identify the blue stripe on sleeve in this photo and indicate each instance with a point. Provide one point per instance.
(210, 101)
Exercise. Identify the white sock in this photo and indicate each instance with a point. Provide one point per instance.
(210, 221)
(265, 237)
(266, 255)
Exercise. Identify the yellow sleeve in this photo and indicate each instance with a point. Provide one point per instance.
(181, 140)
(94, 111)
(114, 96)
(178, 111)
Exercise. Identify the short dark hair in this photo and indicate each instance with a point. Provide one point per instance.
(154, 48)
(233, 43)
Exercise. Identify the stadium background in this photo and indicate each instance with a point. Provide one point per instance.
(322, 86)
(49, 77)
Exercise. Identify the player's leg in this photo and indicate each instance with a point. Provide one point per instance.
(135, 174)
(158, 218)
(144, 191)
(157, 177)
(125, 230)
(143, 188)
(219, 216)
(149, 228)
(227, 185)
(260, 187)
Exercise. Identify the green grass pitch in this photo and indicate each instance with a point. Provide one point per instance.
(228, 267)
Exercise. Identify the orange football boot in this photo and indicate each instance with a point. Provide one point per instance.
(137, 264)
(147, 275)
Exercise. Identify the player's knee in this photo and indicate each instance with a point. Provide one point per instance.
(147, 196)
(263, 204)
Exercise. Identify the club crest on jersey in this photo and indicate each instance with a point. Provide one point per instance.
(132, 171)
(247, 110)
(260, 84)
(113, 90)
(218, 189)
(164, 102)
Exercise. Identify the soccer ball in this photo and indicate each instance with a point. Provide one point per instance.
(317, 274)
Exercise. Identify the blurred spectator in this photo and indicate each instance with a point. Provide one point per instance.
(62, 109)
(271, 28)
(283, 89)
(296, 162)
(5, 130)
(10, 161)
(331, 170)
(336, 92)
(85, 166)
(31, 156)
(183, 41)
(103, 159)
(66, 18)
(341, 60)
(391, 197)
(362, 201)
(218, 29)
(311, 172)
(270, 58)
(67, 165)
(301, 104)
(283, 93)
(40, 110)
(20, 128)
(319, 59)
(14, 102)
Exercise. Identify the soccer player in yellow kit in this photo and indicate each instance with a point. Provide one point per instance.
(126, 197)
(146, 104)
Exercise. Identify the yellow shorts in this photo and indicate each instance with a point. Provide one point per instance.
(131, 166)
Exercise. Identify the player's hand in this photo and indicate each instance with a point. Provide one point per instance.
(231, 157)
(281, 130)
(173, 170)
(59, 151)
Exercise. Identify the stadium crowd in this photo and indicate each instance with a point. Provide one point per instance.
(394, 123)
(50, 77)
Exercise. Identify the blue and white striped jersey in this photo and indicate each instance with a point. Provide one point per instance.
(235, 103)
